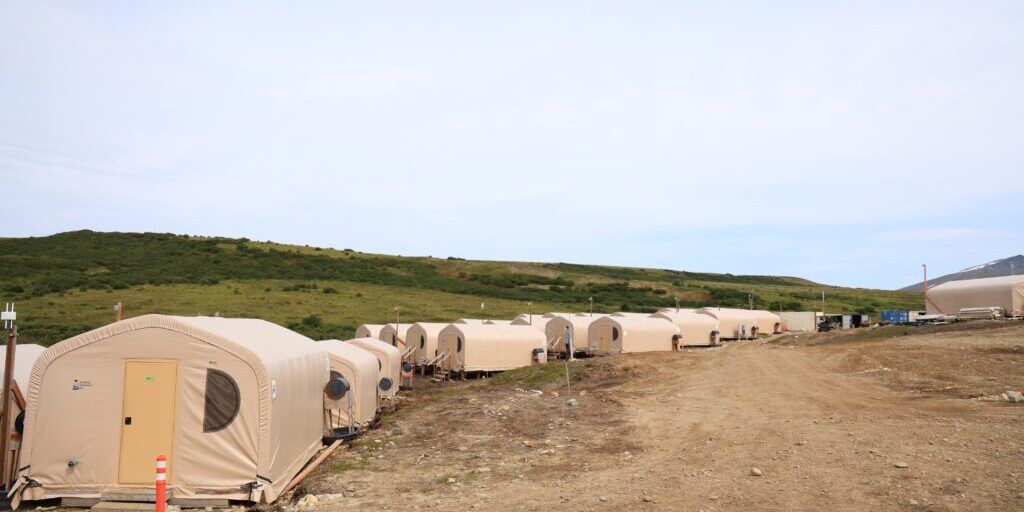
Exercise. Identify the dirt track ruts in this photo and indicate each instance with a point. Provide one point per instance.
(682, 431)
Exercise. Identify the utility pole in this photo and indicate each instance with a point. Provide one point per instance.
(924, 268)
(118, 308)
(750, 298)
(9, 318)
(677, 304)
(483, 315)
(397, 321)
(591, 306)
(823, 303)
(530, 304)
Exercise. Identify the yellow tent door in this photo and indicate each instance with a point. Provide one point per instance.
(147, 425)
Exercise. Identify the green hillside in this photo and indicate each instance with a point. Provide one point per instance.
(68, 283)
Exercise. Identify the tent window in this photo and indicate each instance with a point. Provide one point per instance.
(423, 342)
(394, 339)
(458, 345)
(615, 334)
(222, 401)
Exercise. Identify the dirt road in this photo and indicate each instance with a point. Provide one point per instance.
(876, 425)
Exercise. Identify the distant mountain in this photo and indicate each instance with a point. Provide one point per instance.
(1003, 267)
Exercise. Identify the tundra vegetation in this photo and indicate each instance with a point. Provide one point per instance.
(67, 283)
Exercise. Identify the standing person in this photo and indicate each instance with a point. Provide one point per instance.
(570, 350)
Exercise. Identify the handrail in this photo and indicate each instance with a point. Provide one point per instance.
(408, 352)
(554, 342)
(437, 359)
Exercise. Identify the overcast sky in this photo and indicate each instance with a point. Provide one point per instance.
(847, 144)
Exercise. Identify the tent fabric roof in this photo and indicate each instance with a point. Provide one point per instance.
(687, 318)
(431, 328)
(1003, 291)
(498, 333)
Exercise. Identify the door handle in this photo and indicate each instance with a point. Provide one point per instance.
(127, 420)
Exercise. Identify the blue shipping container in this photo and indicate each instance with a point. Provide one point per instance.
(895, 316)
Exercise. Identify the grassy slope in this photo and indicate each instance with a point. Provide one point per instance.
(67, 283)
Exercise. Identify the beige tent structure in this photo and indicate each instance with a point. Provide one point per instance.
(537, 321)
(1005, 292)
(236, 405)
(24, 357)
(577, 326)
(422, 337)
(695, 330)
(389, 360)
(677, 310)
(488, 348)
(369, 331)
(630, 314)
(474, 321)
(621, 334)
(737, 324)
(360, 368)
(393, 335)
(498, 322)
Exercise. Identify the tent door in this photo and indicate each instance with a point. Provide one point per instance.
(147, 423)
(604, 339)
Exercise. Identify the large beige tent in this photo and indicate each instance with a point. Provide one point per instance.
(422, 337)
(474, 321)
(236, 405)
(744, 323)
(360, 368)
(369, 331)
(576, 326)
(482, 347)
(390, 364)
(393, 335)
(694, 329)
(536, 321)
(1006, 292)
(24, 358)
(620, 334)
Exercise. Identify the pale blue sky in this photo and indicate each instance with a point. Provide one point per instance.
(845, 143)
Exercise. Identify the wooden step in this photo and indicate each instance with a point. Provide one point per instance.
(199, 503)
(124, 506)
(141, 495)
(78, 502)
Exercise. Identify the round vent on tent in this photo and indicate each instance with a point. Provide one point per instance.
(336, 388)
(386, 383)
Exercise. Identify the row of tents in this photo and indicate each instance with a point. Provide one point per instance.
(238, 406)
(479, 345)
(241, 406)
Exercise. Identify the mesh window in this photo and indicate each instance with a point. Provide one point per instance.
(222, 401)
(458, 346)
(615, 334)
(423, 342)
